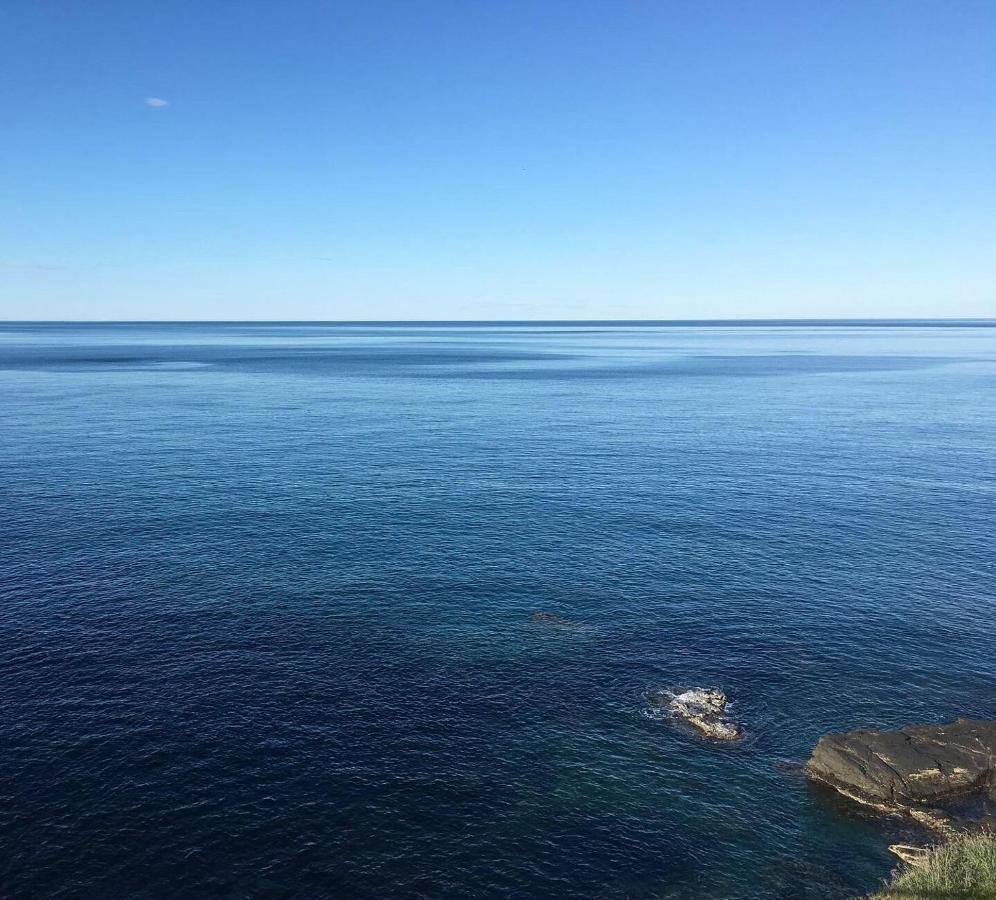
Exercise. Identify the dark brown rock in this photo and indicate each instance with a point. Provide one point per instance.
(913, 767)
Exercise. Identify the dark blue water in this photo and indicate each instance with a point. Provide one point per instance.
(267, 589)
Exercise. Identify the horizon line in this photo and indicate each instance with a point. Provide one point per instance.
(898, 321)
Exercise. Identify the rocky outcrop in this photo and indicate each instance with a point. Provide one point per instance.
(910, 770)
(912, 856)
(705, 709)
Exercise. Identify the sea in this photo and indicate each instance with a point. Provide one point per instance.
(268, 596)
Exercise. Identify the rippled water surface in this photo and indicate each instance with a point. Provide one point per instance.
(267, 594)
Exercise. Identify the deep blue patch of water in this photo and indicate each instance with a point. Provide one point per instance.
(267, 593)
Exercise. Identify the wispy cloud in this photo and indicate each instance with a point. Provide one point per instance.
(156, 102)
(30, 265)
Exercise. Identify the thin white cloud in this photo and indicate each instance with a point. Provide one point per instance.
(156, 102)
(30, 265)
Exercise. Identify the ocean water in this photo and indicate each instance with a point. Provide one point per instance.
(267, 594)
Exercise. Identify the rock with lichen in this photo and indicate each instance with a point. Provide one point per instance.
(704, 709)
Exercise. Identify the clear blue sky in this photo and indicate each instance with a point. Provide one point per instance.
(497, 158)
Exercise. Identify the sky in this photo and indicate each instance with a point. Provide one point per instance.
(497, 159)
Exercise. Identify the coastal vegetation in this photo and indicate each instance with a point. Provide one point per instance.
(909, 772)
(964, 869)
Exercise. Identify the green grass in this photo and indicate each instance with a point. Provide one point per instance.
(965, 869)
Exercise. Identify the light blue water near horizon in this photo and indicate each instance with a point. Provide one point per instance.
(267, 595)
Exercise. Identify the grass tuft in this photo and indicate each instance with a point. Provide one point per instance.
(965, 869)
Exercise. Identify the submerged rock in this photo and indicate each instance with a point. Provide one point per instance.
(703, 708)
(910, 769)
(549, 618)
(790, 767)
